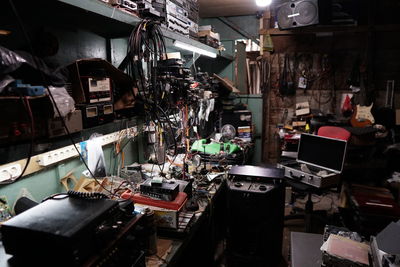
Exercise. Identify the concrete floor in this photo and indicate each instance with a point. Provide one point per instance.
(326, 204)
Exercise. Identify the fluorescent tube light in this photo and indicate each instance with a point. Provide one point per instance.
(263, 3)
(194, 49)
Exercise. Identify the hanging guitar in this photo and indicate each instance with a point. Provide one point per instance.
(362, 115)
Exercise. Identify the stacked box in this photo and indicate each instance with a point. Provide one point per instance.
(160, 6)
(146, 9)
(193, 17)
(177, 17)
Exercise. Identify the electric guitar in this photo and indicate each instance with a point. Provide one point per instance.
(362, 116)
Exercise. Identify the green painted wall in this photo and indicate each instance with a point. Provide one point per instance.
(255, 105)
(228, 36)
(73, 44)
(248, 23)
(46, 182)
(77, 43)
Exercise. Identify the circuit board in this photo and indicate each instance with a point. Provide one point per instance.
(4, 209)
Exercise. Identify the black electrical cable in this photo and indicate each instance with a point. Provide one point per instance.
(28, 40)
(146, 45)
(27, 107)
(170, 127)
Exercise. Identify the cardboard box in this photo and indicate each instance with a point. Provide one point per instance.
(208, 33)
(205, 28)
(342, 251)
(164, 218)
(73, 121)
(244, 132)
(299, 123)
(302, 108)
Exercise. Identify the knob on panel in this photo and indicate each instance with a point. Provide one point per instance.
(237, 184)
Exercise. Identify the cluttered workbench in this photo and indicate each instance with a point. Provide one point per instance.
(195, 246)
(183, 223)
(167, 237)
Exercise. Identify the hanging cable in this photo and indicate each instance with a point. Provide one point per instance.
(45, 83)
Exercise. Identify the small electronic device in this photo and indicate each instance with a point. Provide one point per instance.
(214, 148)
(300, 13)
(322, 159)
(97, 89)
(96, 114)
(27, 89)
(177, 12)
(69, 230)
(176, 204)
(234, 120)
(256, 195)
(129, 5)
(177, 25)
(228, 131)
(255, 173)
(193, 28)
(163, 191)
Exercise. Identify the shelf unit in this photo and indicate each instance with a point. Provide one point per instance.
(113, 18)
(99, 18)
(337, 29)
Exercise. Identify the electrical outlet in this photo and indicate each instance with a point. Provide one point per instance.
(67, 152)
(108, 138)
(10, 172)
(57, 155)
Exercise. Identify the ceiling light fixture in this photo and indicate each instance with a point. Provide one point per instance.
(263, 3)
(194, 49)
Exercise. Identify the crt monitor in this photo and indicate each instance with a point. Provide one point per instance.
(323, 152)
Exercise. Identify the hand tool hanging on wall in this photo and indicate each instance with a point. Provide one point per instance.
(286, 85)
(265, 72)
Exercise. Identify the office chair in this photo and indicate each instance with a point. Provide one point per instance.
(334, 132)
(307, 214)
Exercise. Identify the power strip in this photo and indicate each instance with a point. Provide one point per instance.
(68, 152)
(37, 163)
(10, 172)
(58, 155)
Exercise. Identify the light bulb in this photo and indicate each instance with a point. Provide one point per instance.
(263, 3)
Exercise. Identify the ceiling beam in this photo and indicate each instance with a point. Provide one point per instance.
(239, 30)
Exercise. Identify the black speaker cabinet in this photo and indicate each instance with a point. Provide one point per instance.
(300, 13)
(255, 223)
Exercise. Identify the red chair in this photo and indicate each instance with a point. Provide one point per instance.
(334, 132)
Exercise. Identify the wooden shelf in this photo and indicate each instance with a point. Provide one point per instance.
(332, 29)
(103, 9)
(122, 22)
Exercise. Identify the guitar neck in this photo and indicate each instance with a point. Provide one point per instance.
(390, 94)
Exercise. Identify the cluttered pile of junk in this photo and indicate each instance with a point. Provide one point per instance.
(192, 124)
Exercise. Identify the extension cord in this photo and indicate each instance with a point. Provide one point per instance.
(68, 152)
